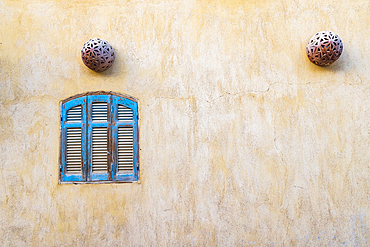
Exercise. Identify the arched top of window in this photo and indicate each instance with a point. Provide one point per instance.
(99, 93)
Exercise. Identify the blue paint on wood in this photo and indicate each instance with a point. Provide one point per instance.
(92, 124)
(86, 125)
(134, 124)
(65, 125)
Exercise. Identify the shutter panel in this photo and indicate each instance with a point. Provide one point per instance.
(73, 160)
(124, 131)
(99, 140)
(125, 150)
(74, 150)
(99, 111)
(99, 149)
(74, 141)
(124, 113)
(74, 114)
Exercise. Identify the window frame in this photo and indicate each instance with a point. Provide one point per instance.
(112, 127)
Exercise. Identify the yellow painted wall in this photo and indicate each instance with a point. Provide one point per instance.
(243, 142)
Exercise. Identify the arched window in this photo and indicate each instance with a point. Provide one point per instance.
(99, 138)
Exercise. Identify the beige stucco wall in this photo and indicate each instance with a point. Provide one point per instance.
(243, 142)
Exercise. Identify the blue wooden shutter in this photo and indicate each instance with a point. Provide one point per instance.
(99, 141)
(73, 156)
(125, 133)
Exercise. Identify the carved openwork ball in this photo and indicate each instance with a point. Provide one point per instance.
(97, 54)
(324, 48)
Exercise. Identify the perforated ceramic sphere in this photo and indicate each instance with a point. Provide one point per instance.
(324, 48)
(97, 54)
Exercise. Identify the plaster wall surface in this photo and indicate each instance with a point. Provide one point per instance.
(243, 142)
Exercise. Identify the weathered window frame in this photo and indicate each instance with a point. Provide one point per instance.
(86, 124)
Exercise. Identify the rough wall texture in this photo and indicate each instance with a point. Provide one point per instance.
(243, 141)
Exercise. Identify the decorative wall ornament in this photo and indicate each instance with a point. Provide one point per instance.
(324, 48)
(97, 54)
